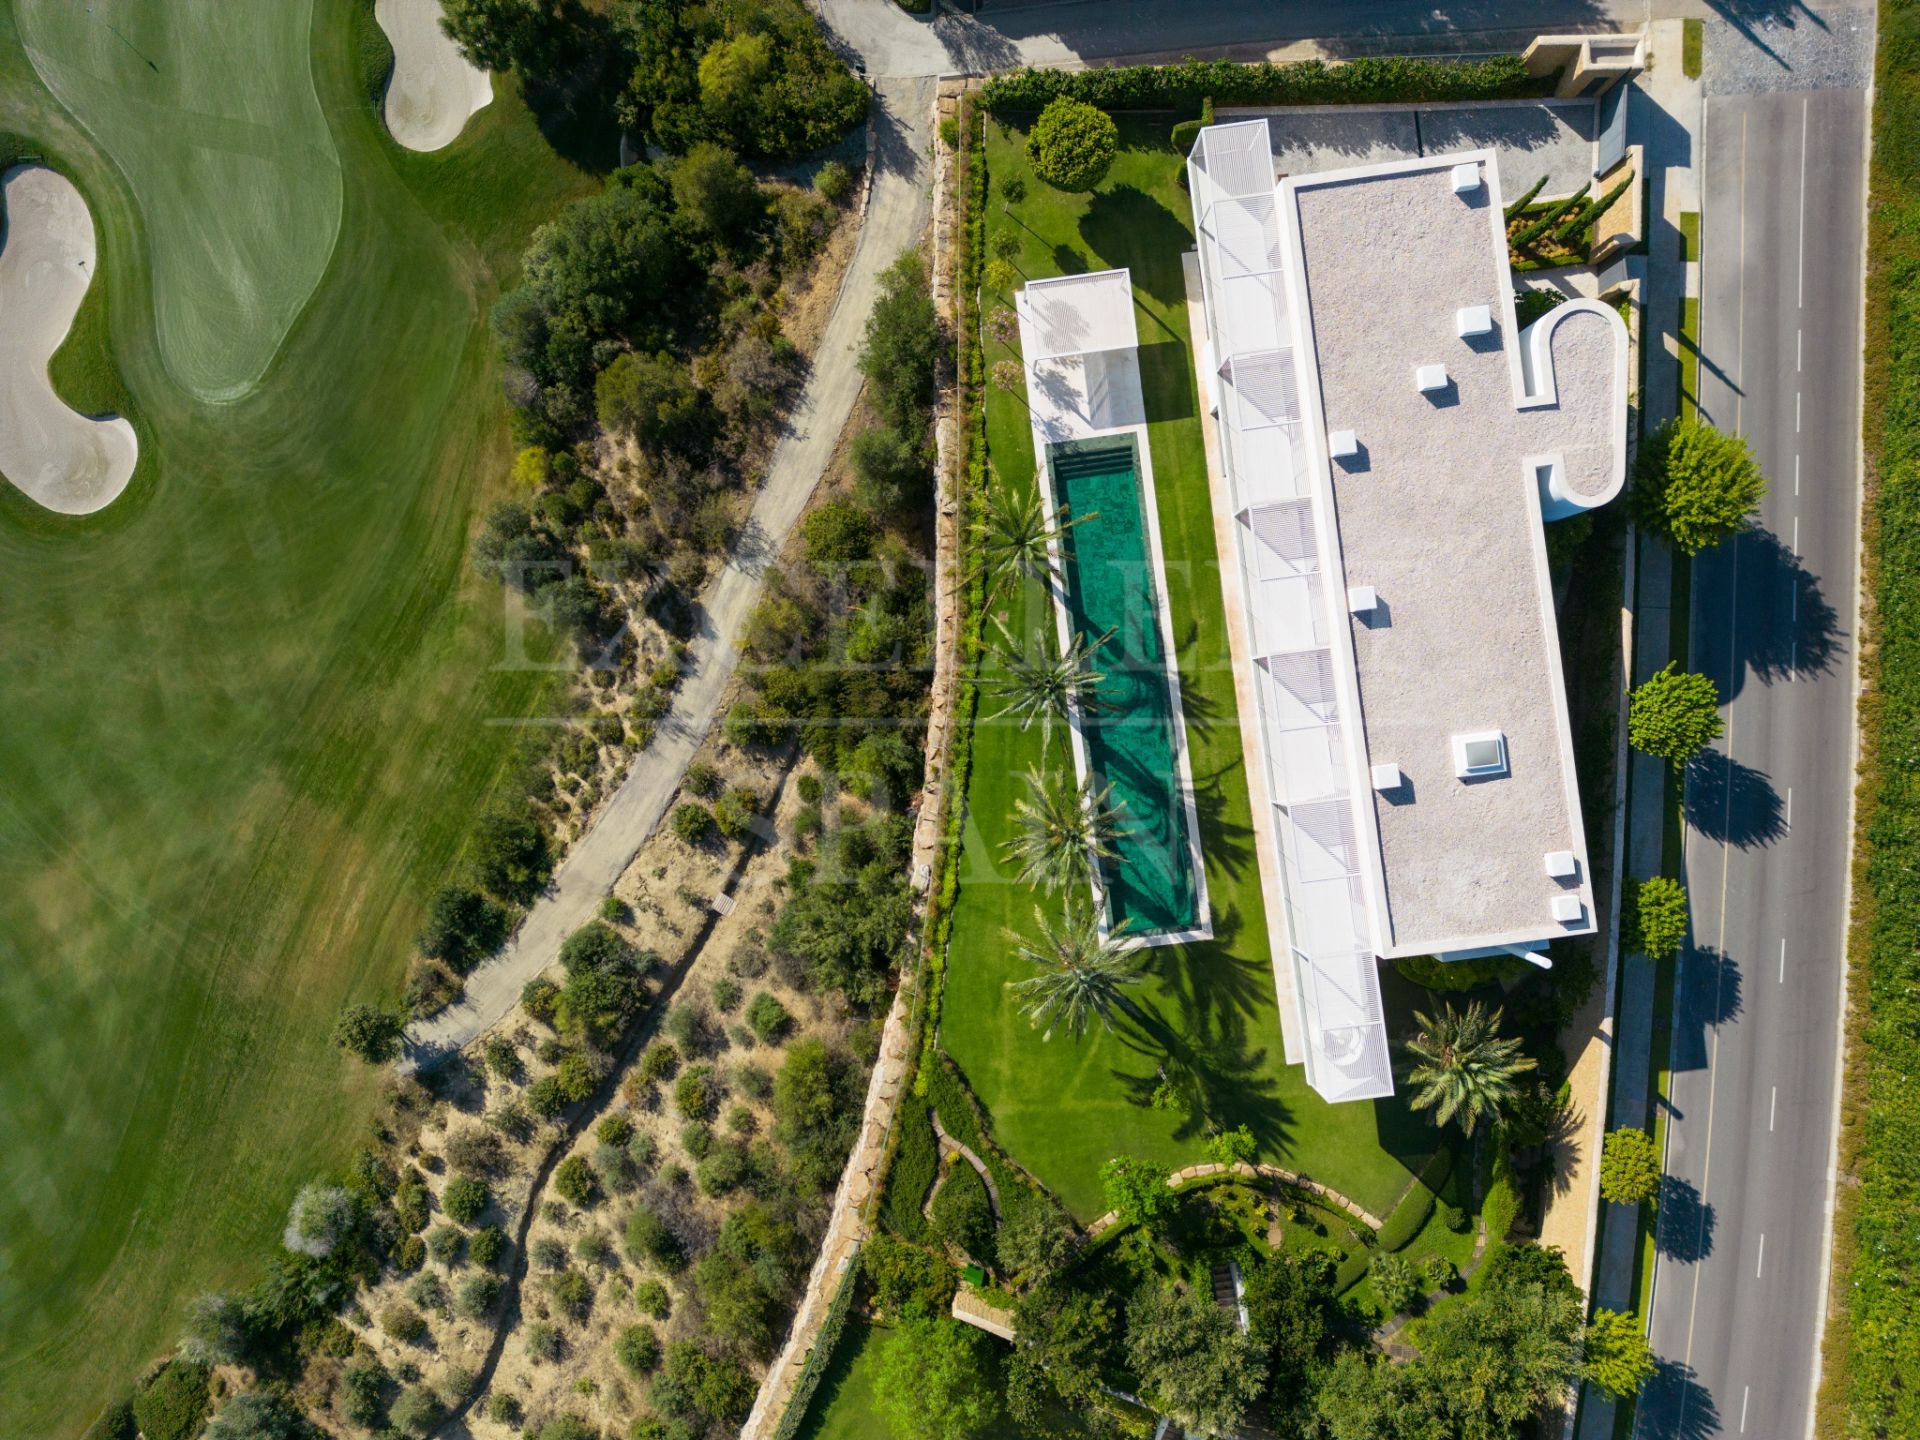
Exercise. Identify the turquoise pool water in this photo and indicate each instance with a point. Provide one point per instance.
(1131, 743)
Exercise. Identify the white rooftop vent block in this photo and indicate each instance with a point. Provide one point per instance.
(1343, 443)
(1466, 178)
(1362, 599)
(1481, 753)
(1430, 378)
(1567, 909)
(1561, 865)
(1387, 776)
(1471, 320)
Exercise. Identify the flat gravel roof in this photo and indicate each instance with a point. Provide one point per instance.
(1440, 513)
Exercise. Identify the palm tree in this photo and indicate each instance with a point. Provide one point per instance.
(1467, 1068)
(1081, 975)
(1045, 689)
(1014, 542)
(1063, 830)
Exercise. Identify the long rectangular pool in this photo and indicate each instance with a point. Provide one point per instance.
(1134, 742)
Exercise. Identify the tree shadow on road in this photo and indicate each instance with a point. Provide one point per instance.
(1676, 1406)
(1788, 628)
(1733, 803)
(1685, 1229)
(1710, 995)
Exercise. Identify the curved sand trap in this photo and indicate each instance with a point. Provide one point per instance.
(57, 456)
(434, 89)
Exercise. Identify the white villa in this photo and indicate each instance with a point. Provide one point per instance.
(1389, 444)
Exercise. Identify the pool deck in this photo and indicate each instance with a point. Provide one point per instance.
(1093, 397)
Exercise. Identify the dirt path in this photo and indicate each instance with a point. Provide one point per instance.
(896, 215)
(58, 457)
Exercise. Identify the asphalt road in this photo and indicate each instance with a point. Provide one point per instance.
(1739, 1283)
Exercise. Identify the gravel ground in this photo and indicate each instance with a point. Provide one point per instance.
(1789, 48)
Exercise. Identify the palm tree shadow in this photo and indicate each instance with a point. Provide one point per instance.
(1203, 1059)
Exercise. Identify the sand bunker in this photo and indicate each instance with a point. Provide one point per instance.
(60, 458)
(434, 89)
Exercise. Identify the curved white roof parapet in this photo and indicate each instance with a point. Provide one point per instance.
(1574, 360)
(71, 463)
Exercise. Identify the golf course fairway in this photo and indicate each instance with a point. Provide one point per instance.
(210, 113)
(252, 707)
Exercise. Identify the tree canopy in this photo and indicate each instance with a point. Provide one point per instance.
(1191, 1359)
(1072, 144)
(1629, 1166)
(1695, 485)
(935, 1381)
(1674, 715)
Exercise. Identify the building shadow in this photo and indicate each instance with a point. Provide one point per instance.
(1733, 803)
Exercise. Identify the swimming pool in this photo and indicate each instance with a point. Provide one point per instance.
(1135, 742)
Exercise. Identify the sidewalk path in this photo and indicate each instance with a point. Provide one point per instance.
(1666, 119)
(896, 215)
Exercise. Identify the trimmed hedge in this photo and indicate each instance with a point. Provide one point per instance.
(1501, 1207)
(1873, 1335)
(1411, 1214)
(1304, 82)
(1350, 1271)
(916, 1159)
(820, 1355)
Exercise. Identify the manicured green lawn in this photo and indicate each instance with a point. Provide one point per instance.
(251, 708)
(1063, 1108)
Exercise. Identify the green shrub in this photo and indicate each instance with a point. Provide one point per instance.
(1657, 917)
(638, 1350)
(427, 1292)
(1500, 1207)
(696, 1138)
(593, 1248)
(1695, 486)
(464, 1199)
(906, 1277)
(446, 1244)
(1629, 1167)
(726, 994)
(963, 1213)
(650, 1298)
(503, 1408)
(1072, 144)
(1673, 715)
(410, 1253)
(768, 1017)
(733, 813)
(544, 1343)
(575, 1181)
(658, 1063)
(572, 1294)
(477, 1296)
(402, 1322)
(173, 1404)
(615, 1129)
(702, 780)
(696, 1093)
(1396, 1283)
(834, 182)
(416, 1412)
(1352, 1269)
(649, 1238)
(692, 823)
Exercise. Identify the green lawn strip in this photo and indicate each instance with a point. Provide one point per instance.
(1690, 358)
(1693, 39)
(255, 706)
(1689, 235)
(1064, 1108)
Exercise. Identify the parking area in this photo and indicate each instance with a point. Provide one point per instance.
(1554, 138)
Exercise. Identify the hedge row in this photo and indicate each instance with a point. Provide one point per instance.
(1304, 82)
(1874, 1336)
(916, 1160)
(1411, 1214)
(821, 1355)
